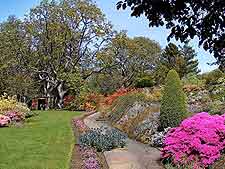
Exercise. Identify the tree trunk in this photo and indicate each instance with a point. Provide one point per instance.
(61, 94)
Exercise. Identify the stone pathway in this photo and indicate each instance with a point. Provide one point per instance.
(135, 156)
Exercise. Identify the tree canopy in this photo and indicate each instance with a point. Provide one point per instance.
(127, 58)
(186, 19)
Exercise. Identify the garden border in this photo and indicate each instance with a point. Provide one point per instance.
(76, 161)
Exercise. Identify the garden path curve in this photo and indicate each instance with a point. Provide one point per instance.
(135, 156)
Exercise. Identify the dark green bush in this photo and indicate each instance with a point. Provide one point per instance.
(146, 81)
(173, 105)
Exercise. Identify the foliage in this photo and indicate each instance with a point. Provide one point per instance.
(212, 77)
(120, 92)
(182, 60)
(55, 45)
(4, 120)
(173, 105)
(185, 19)
(125, 58)
(191, 63)
(160, 73)
(217, 90)
(45, 141)
(103, 139)
(204, 138)
(31, 114)
(216, 107)
(10, 104)
(144, 81)
(154, 95)
(193, 79)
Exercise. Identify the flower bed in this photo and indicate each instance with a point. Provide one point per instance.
(89, 158)
(198, 141)
(14, 110)
(79, 124)
(15, 116)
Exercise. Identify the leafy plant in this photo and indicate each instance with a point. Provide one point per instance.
(31, 114)
(145, 81)
(10, 104)
(103, 139)
(173, 105)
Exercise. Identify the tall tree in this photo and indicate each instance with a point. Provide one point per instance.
(172, 58)
(126, 58)
(63, 41)
(182, 60)
(191, 62)
(186, 19)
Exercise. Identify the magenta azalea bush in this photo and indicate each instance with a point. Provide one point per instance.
(199, 140)
(4, 120)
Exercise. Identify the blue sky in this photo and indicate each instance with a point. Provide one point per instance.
(121, 21)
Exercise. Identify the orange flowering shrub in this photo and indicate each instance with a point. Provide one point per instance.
(120, 92)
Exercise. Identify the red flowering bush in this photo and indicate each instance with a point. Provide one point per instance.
(120, 92)
(4, 120)
(199, 140)
(15, 116)
(68, 100)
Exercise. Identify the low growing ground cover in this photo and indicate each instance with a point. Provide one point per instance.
(44, 142)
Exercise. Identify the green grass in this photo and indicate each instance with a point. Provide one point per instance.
(45, 142)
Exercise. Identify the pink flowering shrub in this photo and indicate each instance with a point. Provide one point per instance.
(4, 120)
(199, 140)
(15, 116)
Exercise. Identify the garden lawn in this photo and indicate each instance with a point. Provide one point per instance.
(45, 142)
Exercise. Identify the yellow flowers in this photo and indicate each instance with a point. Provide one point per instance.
(8, 103)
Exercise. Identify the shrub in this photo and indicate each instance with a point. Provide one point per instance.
(30, 114)
(192, 79)
(4, 120)
(8, 104)
(213, 76)
(173, 105)
(120, 92)
(199, 140)
(15, 116)
(146, 81)
(103, 139)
